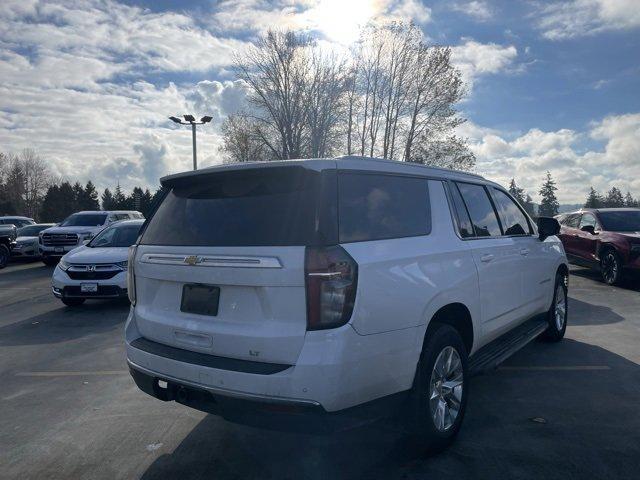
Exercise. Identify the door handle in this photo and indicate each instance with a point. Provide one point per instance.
(524, 251)
(487, 257)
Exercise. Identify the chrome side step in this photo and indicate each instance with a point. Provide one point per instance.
(496, 352)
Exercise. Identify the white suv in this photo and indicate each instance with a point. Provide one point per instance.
(337, 288)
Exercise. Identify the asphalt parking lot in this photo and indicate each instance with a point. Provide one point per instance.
(68, 408)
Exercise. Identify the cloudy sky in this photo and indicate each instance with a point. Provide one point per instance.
(90, 83)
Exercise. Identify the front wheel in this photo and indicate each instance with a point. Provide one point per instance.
(440, 392)
(4, 256)
(611, 267)
(72, 302)
(558, 312)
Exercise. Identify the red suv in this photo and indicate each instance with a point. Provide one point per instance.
(607, 239)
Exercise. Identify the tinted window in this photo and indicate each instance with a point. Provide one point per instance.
(262, 207)
(513, 220)
(373, 207)
(464, 222)
(621, 221)
(116, 236)
(483, 216)
(588, 219)
(85, 220)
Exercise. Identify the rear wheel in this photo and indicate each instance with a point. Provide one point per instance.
(72, 302)
(610, 267)
(4, 256)
(558, 312)
(440, 391)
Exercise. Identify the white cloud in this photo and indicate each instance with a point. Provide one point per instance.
(475, 59)
(525, 157)
(477, 9)
(561, 20)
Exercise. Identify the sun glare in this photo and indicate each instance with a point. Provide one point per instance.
(341, 20)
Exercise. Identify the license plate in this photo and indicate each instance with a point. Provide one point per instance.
(88, 287)
(59, 249)
(200, 299)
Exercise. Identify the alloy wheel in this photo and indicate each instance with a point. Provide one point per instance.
(445, 392)
(560, 311)
(610, 267)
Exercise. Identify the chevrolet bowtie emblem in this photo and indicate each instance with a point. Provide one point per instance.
(191, 260)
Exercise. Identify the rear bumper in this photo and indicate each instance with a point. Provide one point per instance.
(335, 370)
(275, 413)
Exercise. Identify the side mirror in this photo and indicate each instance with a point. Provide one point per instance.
(548, 227)
(589, 228)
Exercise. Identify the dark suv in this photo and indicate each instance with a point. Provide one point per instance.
(607, 239)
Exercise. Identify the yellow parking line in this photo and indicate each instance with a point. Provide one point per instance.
(567, 368)
(72, 374)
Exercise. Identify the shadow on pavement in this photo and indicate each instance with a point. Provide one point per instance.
(583, 313)
(66, 323)
(591, 429)
(630, 281)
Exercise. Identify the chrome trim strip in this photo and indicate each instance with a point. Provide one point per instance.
(211, 260)
(227, 392)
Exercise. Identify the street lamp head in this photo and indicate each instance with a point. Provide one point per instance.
(206, 119)
(189, 118)
(175, 119)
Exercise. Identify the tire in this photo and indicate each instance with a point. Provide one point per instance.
(72, 302)
(433, 421)
(558, 312)
(611, 267)
(5, 254)
(49, 262)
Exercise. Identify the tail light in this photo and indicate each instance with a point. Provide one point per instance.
(131, 277)
(331, 282)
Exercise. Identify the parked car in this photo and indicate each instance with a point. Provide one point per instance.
(7, 242)
(17, 221)
(606, 239)
(97, 269)
(27, 241)
(76, 229)
(334, 289)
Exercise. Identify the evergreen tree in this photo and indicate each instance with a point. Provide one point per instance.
(549, 204)
(614, 198)
(51, 205)
(529, 207)
(145, 203)
(90, 197)
(107, 200)
(134, 201)
(67, 201)
(594, 200)
(78, 193)
(516, 192)
(119, 200)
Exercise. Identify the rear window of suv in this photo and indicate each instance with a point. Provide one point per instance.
(277, 206)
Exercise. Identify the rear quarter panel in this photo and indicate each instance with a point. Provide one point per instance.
(403, 282)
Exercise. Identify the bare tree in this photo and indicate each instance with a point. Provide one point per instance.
(37, 179)
(242, 140)
(275, 69)
(450, 152)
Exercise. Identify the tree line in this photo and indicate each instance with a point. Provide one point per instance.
(28, 188)
(393, 95)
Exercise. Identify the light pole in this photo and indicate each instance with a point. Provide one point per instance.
(190, 120)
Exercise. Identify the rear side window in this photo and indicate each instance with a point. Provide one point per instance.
(464, 222)
(513, 220)
(276, 206)
(375, 207)
(483, 216)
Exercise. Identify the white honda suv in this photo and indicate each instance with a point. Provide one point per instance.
(336, 290)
